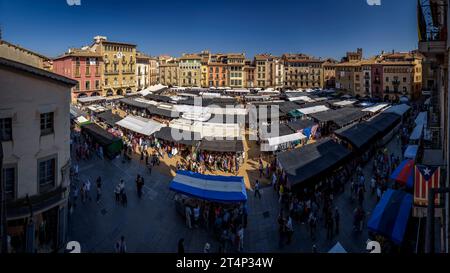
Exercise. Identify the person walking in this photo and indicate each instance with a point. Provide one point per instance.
(188, 215)
(121, 246)
(181, 246)
(312, 225)
(88, 190)
(240, 235)
(337, 217)
(117, 193)
(330, 227)
(257, 192)
(289, 230)
(99, 188)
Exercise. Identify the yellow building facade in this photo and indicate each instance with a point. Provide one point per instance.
(119, 72)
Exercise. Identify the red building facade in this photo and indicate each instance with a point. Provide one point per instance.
(84, 67)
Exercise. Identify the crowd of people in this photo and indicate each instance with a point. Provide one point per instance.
(227, 222)
(207, 161)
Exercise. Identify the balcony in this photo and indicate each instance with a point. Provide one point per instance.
(396, 82)
(128, 71)
(112, 72)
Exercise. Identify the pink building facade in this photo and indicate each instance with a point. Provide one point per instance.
(84, 68)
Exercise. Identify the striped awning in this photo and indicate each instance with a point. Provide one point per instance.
(210, 187)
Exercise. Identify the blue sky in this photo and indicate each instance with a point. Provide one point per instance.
(325, 28)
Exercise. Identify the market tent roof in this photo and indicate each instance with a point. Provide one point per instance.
(178, 136)
(287, 106)
(315, 159)
(101, 135)
(222, 145)
(210, 187)
(417, 132)
(273, 141)
(422, 119)
(274, 130)
(411, 152)
(341, 117)
(90, 99)
(158, 98)
(75, 112)
(140, 125)
(314, 109)
(163, 112)
(301, 124)
(109, 118)
(376, 108)
(399, 109)
(153, 89)
(344, 103)
(384, 122)
(337, 249)
(403, 174)
(239, 119)
(359, 135)
(82, 120)
(390, 216)
(134, 103)
(97, 108)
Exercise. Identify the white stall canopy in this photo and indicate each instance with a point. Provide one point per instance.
(314, 109)
(140, 125)
(376, 108)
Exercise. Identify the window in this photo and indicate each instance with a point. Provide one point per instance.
(6, 129)
(88, 85)
(77, 87)
(387, 79)
(97, 84)
(46, 174)
(404, 79)
(88, 70)
(9, 178)
(47, 124)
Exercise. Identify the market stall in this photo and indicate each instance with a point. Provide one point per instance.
(110, 145)
(210, 187)
(279, 137)
(308, 163)
(143, 126)
(359, 136)
(109, 118)
(391, 215)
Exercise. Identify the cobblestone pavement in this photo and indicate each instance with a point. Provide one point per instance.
(151, 224)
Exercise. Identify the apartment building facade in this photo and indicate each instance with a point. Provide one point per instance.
(190, 70)
(119, 71)
(35, 135)
(142, 71)
(84, 66)
(302, 71)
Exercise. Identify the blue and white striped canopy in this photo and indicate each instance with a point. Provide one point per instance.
(210, 187)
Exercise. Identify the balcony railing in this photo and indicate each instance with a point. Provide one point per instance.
(112, 72)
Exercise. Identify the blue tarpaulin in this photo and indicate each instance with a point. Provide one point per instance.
(411, 152)
(210, 187)
(390, 216)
